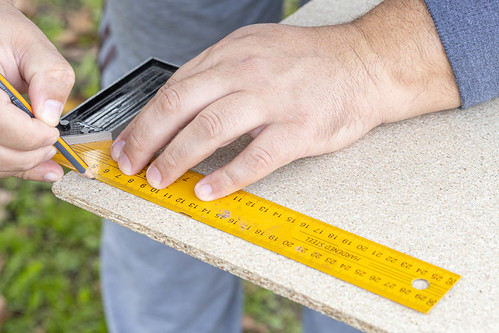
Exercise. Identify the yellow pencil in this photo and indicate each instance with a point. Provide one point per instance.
(61, 145)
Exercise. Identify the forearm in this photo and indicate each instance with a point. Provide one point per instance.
(407, 60)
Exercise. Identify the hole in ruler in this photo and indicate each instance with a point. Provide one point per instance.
(420, 284)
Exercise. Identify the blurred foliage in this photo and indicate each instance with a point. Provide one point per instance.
(72, 26)
(50, 277)
(49, 250)
(290, 6)
(274, 313)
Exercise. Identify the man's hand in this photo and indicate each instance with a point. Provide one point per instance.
(298, 91)
(31, 64)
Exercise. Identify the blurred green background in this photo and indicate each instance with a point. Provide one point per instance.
(49, 250)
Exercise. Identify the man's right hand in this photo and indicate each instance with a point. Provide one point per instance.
(30, 62)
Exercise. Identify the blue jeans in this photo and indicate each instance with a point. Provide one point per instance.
(149, 287)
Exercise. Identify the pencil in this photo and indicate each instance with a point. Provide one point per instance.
(61, 145)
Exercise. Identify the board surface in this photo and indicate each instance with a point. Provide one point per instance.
(434, 198)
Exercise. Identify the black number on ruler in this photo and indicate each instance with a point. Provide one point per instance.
(263, 209)
(406, 265)
(390, 285)
(346, 241)
(391, 259)
(405, 291)
(362, 247)
(360, 272)
(259, 232)
(331, 261)
(244, 226)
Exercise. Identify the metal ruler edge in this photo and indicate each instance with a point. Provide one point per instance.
(384, 271)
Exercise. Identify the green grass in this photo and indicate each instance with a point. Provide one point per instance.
(50, 278)
(49, 250)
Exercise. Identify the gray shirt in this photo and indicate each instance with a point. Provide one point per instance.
(177, 30)
(172, 30)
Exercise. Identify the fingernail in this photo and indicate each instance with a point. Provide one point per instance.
(153, 177)
(51, 177)
(51, 112)
(203, 191)
(125, 165)
(116, 149)
(50, 154)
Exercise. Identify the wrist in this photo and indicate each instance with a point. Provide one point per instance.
(407, 60)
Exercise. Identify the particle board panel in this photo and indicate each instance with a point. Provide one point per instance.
(427, 186)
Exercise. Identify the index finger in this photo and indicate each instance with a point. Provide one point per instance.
(171, 109)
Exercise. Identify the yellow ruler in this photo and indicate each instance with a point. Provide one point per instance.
(364, 263)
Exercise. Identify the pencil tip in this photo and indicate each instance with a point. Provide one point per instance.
(88, 173)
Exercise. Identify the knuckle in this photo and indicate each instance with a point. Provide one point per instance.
(169, 99)
(23, 175)
(136, 143)
(31, 161)
(29, 142)
(210, 124)
(169, 160)
(259, 158)
(229, 178)
(62, 71)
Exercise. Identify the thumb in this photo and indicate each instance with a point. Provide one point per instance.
(49, 77)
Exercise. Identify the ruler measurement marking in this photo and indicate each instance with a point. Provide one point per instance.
(406, 279)
(437, 283)
(362, 241)
(403, 275)
(379, 269)
(386, 275)
(432, 288)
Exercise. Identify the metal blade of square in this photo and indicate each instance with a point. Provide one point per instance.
(106, 114)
